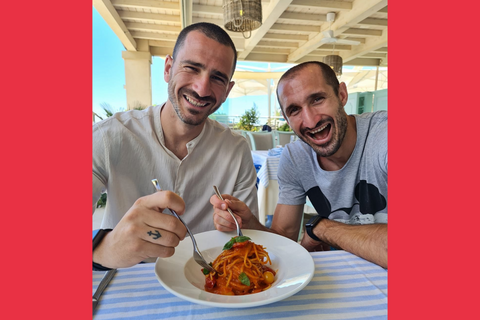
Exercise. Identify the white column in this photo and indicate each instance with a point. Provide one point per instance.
(138, 81)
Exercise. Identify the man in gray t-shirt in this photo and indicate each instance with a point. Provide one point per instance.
(340, 164)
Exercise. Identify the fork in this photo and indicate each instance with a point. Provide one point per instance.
(197, 255)
(219, 195)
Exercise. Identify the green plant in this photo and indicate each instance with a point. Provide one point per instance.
(284, 127)
(109, 111)
(102, 202)
(138, 106)
(249, 119)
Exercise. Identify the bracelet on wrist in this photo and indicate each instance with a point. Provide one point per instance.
(95, 242)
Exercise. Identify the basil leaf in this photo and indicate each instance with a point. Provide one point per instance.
(244, 279)
(205, 270)
(242, 239)
(229, 244)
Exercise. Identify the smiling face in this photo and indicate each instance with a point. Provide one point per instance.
(313, 111)
(199, 78)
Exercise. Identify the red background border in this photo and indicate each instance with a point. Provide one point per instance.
(46, 162)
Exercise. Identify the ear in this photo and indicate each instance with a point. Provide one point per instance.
(230, 86)
(168, 68)
(342, 93)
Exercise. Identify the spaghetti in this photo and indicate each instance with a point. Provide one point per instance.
(241, 269)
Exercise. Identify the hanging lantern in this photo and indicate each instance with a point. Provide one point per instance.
(335, 62)
(242, 16)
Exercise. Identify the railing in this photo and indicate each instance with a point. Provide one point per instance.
(231, 121)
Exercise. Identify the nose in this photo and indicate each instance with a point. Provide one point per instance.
(309, 117)
(201, 85)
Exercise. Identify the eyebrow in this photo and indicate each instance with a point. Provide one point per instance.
(309, 98)
(289, 107)
(202, 66)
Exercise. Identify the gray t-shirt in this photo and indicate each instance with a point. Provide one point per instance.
(355, 194)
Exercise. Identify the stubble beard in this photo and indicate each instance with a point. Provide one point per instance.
(338, 135)
(175, 101)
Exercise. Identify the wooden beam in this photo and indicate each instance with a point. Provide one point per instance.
(382, 50)
(146, 16)
(270, 16)
(146, 4)
(276, 44)
(153, 27)
(270, 50)
(374, 55)
(154, 36)
(363, 32)
(285, 37)
(374, 22)
(160, 52)
(363, 62)
(112, 18)
(322, 4)
(371, 44)
(295, 28)
(249, 75)
(297, 16)
(206, 9)
(262, 57)
(345, 20)
(324, 53)
(339, 47)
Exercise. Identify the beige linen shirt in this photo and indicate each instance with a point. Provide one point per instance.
(129, 151)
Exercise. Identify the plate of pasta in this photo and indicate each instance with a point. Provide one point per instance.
(257, 269)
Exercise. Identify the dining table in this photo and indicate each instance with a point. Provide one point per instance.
(343, 286)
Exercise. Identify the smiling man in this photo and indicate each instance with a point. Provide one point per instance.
(340, 163)
(177, 144)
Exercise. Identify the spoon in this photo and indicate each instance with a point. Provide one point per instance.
(197, 255)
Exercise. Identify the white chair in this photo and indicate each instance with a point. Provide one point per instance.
(283, 137)
(244, 134)
(261, 140)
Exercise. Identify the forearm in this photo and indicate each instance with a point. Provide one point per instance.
(367, 241)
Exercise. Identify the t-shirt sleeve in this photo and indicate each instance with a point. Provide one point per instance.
(291, 191)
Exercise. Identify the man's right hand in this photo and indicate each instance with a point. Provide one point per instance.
(223, 220)
(143, 232)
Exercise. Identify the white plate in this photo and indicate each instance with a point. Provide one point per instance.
(182, 276)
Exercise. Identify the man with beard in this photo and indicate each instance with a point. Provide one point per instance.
(177, 144)
(340, 163)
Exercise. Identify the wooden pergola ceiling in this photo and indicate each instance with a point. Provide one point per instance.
(291, 32)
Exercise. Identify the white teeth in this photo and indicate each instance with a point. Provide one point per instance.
(196, 104)
(319, 129)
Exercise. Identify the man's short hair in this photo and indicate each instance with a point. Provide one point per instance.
(210, 30)
(327, 73)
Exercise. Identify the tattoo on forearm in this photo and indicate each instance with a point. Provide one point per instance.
(155, 234)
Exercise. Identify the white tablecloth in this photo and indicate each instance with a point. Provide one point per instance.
(268, 185)
(344, 286)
